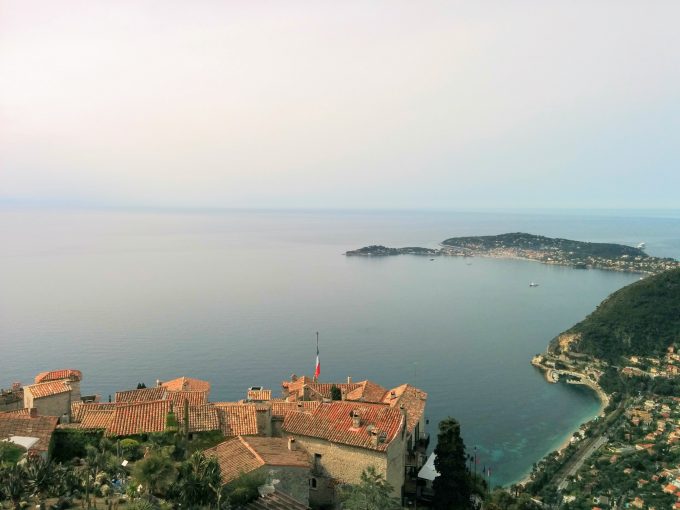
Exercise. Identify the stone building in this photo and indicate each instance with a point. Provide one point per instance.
(29, 430)
(53, 393)
(344, 438)
(283, 464)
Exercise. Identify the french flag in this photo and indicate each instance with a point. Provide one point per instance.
(317, 369)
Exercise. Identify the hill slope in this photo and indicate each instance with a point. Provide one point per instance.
(640, 319)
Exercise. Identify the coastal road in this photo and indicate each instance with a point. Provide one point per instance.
(574, 464)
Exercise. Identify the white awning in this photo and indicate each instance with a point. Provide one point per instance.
(428, 472)
(26, 442)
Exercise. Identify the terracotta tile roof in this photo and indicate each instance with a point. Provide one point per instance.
(186, 383)
(274, 452)
(141, 395)
(16, 412)
(242, 455)
(97, 419)
(202, 418)
(412, 399)
(333, 422)
(55, 375)
(78, 409)
(40, 427)
(297, 384)
(137, 418)
(195, 398)
(47, 389)
(368, 391)
(261, 395)
(237, 419)
(276, 501)
(281, 408)
(235, 458)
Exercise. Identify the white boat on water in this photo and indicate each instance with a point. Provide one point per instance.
(532, 284)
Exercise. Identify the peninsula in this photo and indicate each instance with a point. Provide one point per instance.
(548, 250)
(627, 351)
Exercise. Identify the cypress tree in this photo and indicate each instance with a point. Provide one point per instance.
(451, 487)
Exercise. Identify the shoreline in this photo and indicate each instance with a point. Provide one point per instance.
(529, 259)
(604, 402)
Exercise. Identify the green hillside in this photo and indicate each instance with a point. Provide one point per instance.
(640, 319)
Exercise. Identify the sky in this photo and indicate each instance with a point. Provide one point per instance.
(351, 104)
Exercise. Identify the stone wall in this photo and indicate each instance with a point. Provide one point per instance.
(54, 405)
(346, 463)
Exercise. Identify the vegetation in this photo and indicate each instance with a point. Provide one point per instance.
(640, 319)
(155, 473)
(382, 251)
(452, 487)
(336, 394)
(10, 453)
(373, 493)
(71, 443)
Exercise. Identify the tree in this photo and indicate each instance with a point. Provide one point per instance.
(199, 481)
(451, 487)
(373, 493)
(336, 394)
(155, 473)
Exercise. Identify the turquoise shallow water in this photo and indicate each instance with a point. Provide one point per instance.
(236, 297)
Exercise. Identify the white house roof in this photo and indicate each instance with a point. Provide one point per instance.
(428, 472)
(26, 442)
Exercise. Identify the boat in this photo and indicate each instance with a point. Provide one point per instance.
(532, 284)
(431, 260)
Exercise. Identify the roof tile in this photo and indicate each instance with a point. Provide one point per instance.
(237, 419)
(40, 427)
(48, 389)
(333, 422)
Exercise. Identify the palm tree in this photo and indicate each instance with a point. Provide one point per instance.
(199, 482)
(155, 473)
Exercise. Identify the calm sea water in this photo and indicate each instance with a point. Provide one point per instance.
(236, 298)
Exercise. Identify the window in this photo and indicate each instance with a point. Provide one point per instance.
(312, 483)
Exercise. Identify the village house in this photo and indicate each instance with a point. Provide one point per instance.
(285, 466)
(25, 428)
(344, 438)
(53, 392)
(12, 399)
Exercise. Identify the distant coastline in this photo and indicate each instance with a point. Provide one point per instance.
(554, 251)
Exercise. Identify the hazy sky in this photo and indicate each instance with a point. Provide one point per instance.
(341, 104)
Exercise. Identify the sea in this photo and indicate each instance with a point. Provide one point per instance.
(236, 297)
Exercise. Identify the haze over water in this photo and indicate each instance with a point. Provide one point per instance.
(236, 298)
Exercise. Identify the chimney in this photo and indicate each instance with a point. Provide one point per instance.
(291, 443)
(403, 412)
(356, 420)
(349, 379)
(33, 412)
(393, 394)
(375, 437)
(158, 383)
